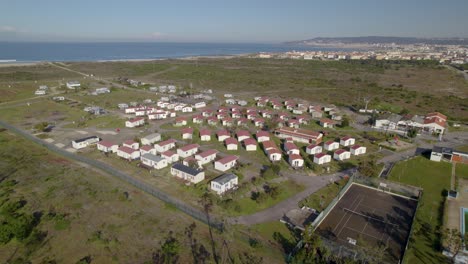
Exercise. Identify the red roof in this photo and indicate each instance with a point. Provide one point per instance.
(355, 147)
(136, 119)
(243, 133)
(242, 120)
(189, 147)
(269, 144)
(197, 117)
(223, 133)
(208, 153)
(106, 144)
(129, 142)
(436, 120)
(289, 146)
(250, 141)
(127, 150)
(340, 151)
(436, 114)
(180, 119)
(227, 159)
(205, 132)
(168, 153)
(345, 138)
(166, 142)
(312, 146)
(262, 133)
(187, 130)
(330, 142)
(273, 151)
(295, 157)
(146, 148)
(230, 141)
(326, 120)
(320, 155)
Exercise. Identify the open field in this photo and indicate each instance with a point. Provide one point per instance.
(323, 197)
(390, 85)
(83, 213)
(434, 178)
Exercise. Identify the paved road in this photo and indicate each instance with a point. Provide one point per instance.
(275, 212)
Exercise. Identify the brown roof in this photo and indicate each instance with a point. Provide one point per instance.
(227, 159)
(189, 147)
(127, 150)
(208, 153)
(106, 144)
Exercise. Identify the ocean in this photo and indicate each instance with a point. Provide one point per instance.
(51, 51)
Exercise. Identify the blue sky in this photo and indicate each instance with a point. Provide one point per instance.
(228, 21)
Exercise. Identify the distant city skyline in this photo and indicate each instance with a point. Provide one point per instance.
(261, 21)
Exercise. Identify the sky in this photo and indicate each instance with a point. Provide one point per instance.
(247, 21)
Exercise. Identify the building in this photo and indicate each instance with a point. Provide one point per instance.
(197, 119)
(206, 156)
(262, 136)
(187, 133)
(170, 156)
(226, 163)
(199, 105)
(135, 122)
(322, 158)
(188, 150)
(205, 135)
(299, 135)
(296, 160)
(242, 135)
(347, 141)
(290, 148)
(341, 154)
(313, 149)
(73, 84)
(387, 121)
(84, 142)
(165, 145)
(250, 144)
(224, 183)
(147, 149)
(102, 90)
(331, 145)
(180, 121)
(153, 161)
(107, 146)
(40, 92)
(274, 154)
(326, 122)
(447, 154)
(128, 153)
(131, 144)
(358, 150)
(150, 139)
(435, 123)
(187, 173)
(231, 143)
(223, 135)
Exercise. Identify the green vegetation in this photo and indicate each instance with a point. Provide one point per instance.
(323, 197)
(434, 178)
(461, 170)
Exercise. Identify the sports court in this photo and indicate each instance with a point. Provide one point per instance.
(369, 217)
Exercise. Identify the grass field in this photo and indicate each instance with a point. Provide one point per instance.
(323, 197)
(461, 170)
(434, 178)
(83, 213)
(391, 85)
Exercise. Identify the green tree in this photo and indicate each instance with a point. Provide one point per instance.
(169, 251)
(453, 240)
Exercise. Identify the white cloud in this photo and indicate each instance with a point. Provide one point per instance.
(8, 29)
(157, 35)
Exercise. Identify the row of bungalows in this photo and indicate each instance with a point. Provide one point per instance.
(339, 154)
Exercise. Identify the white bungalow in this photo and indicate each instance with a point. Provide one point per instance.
(341, 154)
(107, 146)
(331, 145)
(153, 161)
(291, 148)
(170, 156)
(262, 136)
(314, 149)
(231, 144)
(358, 150)
(84, 142)
(188, 150)
(206, 156)
(205, 135)
(223, 135)
(131, 144)
(274, 154)
(150, 139)
(128, 153)
(296, 160)
(187, 173)
(250, 144)
(322, 158)
(187, 133)
(165, 145)
(347, 141)
(226, 163)
(135, 122)
(224, 183)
